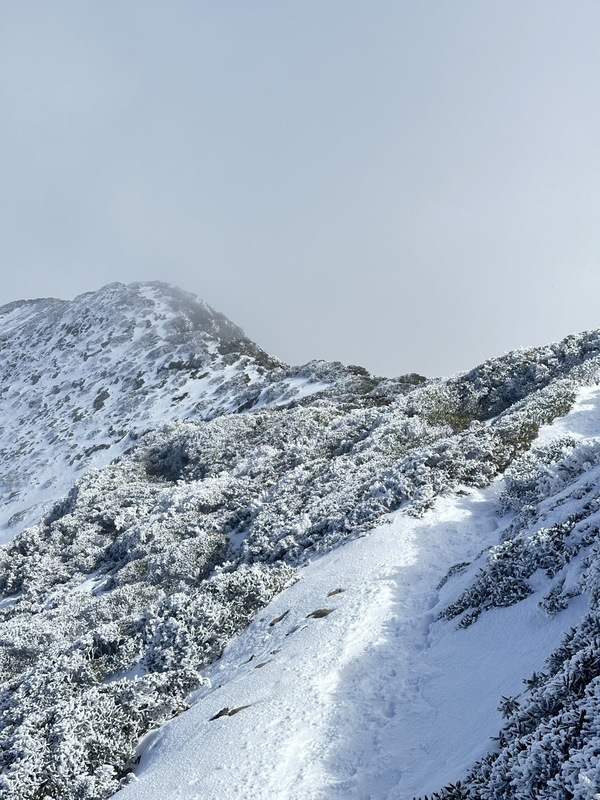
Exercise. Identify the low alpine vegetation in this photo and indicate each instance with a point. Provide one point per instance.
(228, 471)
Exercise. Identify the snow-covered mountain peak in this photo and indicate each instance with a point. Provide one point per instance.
(117, 312)
(78, 377)
(163, 479)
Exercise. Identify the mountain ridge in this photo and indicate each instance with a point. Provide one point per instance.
(164, 479)
(130, 352)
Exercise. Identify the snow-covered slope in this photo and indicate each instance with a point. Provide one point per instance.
(164, 480)
(78, 379)
(379, 698)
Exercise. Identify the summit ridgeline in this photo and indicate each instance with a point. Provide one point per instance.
(163, 480)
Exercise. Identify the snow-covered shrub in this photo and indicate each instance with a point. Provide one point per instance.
(138, 579)
(549, 742)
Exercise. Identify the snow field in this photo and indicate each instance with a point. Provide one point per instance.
(365, 692)
(376, 700)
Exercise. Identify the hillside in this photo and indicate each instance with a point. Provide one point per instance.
(164, 481)
(385, 697)
(80, 380)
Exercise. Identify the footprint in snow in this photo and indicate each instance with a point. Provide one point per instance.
(295, 629)
(229, 712)
(279, 619)
(320, 613)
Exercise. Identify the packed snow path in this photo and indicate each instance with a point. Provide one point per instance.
(370, 697)
(373, 700)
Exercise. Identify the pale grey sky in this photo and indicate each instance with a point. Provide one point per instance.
(402, 185)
